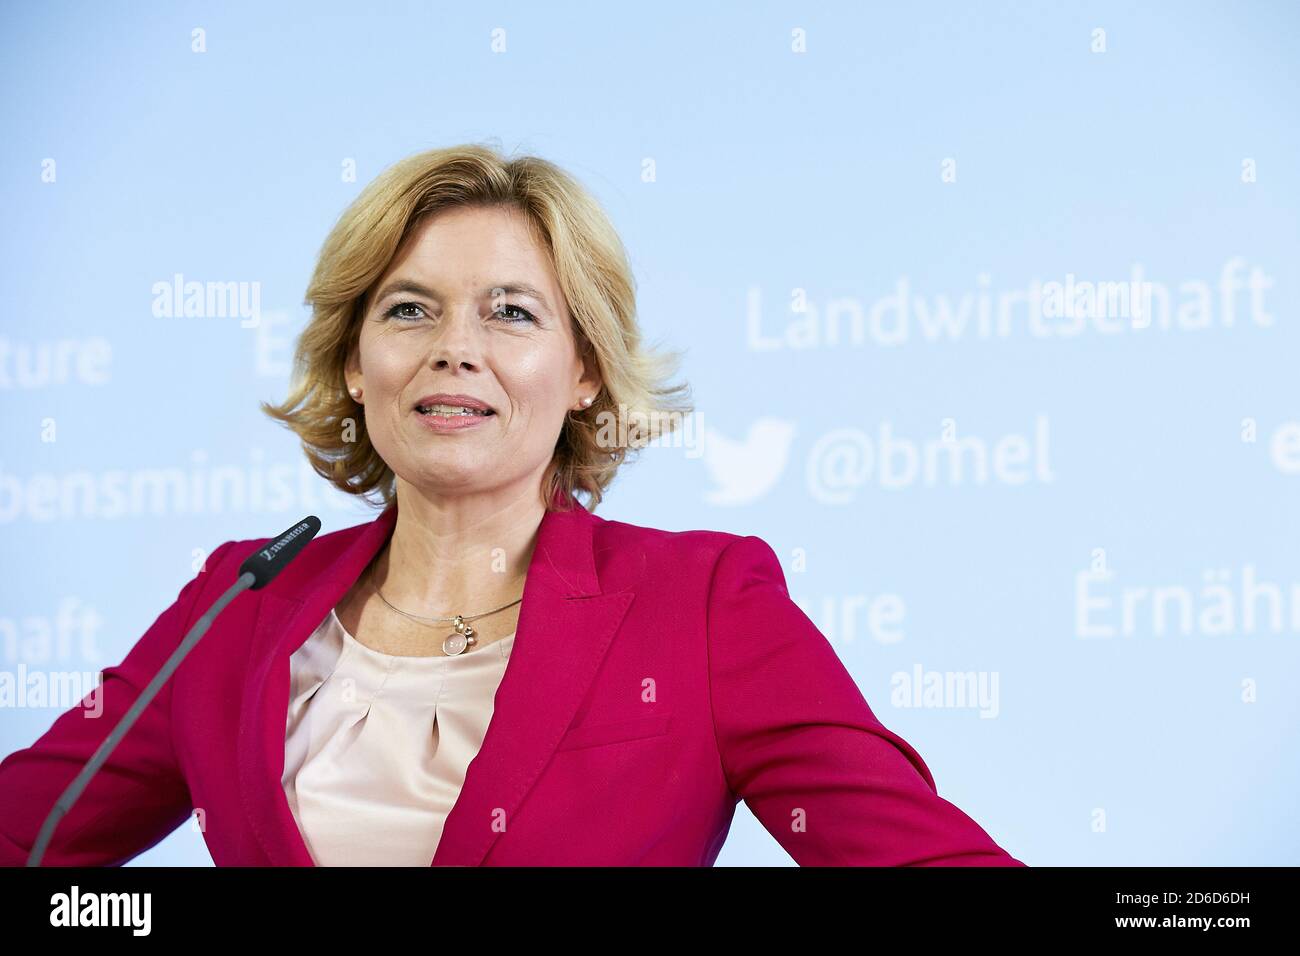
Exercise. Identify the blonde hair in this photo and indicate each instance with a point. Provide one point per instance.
(594, 275)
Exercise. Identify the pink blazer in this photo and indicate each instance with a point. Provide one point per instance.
(657, 678)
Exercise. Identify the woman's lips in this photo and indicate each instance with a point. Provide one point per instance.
(452, 423)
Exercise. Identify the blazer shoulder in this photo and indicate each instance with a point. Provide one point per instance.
(697, 549)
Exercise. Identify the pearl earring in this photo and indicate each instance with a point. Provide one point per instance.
(356, 393)
(586, 402)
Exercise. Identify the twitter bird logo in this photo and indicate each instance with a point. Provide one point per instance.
(744, 471)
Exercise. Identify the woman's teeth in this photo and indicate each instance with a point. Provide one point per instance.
(448, 411)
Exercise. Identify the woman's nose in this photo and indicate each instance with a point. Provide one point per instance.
(456, 339)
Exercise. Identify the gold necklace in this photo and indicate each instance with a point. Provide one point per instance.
(454, 643)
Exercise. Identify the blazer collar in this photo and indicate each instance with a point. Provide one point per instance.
(565, 627)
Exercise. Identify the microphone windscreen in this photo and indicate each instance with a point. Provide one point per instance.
(266, 562)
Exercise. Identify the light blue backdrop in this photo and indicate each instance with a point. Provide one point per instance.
(804, 190)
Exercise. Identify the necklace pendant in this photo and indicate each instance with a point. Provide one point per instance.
(456, 643)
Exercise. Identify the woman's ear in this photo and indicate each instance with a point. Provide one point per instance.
(352, 368)
(591, 380)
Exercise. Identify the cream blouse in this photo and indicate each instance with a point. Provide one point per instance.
(377, 745)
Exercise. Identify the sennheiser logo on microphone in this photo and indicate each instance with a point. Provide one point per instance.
(297, 530)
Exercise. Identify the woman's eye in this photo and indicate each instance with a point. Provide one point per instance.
(396, 311)
(526, 315)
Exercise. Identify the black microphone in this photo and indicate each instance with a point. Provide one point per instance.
(257, 571)
(265, 564)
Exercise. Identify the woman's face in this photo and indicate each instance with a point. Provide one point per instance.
(470, 306)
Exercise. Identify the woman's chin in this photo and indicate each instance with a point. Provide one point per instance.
(449, 474)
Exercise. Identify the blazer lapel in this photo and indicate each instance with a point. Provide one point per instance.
(565, 627)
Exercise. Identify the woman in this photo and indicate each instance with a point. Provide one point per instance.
(487, 673)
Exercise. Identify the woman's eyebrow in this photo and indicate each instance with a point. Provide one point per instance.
(506, 288)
